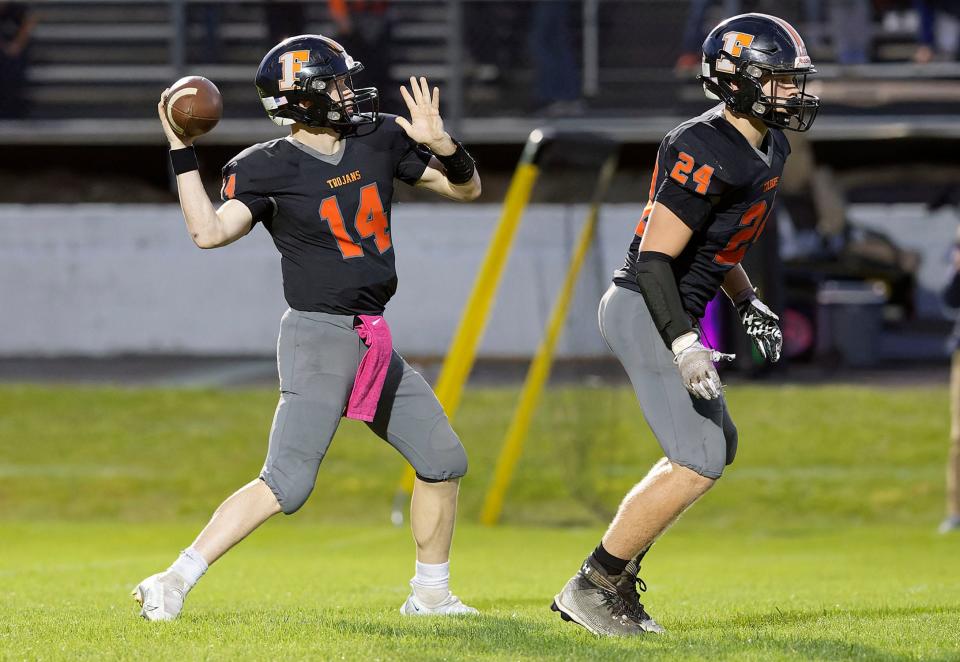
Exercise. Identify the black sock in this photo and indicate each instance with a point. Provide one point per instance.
(640, 556)
(612, 564)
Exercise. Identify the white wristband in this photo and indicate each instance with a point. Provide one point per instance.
(686, 341)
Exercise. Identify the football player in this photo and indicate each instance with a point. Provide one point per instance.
(324, 193)
(951, 297)
(713, 187)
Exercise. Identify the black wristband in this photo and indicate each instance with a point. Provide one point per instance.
(460, 165)
(184, 160)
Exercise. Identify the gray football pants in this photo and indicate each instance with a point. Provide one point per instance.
(317, 358)
(695, 433)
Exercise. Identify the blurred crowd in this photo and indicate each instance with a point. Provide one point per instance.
(16, 27)
(544, 35)
(846, 31)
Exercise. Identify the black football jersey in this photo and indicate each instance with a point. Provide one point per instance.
(329, 215)
(723, 189)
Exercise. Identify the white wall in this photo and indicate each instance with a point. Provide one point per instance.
(111, 279)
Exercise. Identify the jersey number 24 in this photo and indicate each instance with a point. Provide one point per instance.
(370, 221)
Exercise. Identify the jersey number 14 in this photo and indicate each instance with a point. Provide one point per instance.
(370, 221)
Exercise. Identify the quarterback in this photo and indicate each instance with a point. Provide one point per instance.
(713, 187)
(323, 193)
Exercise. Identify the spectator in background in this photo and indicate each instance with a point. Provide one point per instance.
(939, 30)
(851, 26)
(16, 26)
(555, 67)
(492, 46)
(951, 297)
(209, 16)
(366, 26)
(814, 204)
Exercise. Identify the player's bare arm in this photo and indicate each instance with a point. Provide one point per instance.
(665, 232)
(425, 126)
(208, 227)
(736, 283)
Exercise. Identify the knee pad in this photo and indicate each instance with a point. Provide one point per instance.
(301, 433)
(291, 491)
(713, 473)
(707, 456)
(731, 436)
(295, 499)
(433, 480)
(447, 457)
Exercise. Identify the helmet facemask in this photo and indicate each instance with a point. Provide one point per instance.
(318, 101)
(788, 105)
(743, 91)
(348, 108)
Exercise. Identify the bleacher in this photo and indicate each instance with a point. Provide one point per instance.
(111, 59)
(97, 68)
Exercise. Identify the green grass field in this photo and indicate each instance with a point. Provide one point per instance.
(818, 544)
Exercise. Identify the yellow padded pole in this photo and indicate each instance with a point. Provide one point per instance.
(463, 350)
(539, 370)
(462, 353)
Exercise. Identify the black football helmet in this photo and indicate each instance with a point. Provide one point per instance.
(307, 68)
(746, 51)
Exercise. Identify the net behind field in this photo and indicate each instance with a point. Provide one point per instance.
(809, 457)
(818, 457)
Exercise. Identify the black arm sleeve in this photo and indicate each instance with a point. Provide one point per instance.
(951, 294)
(659, 288)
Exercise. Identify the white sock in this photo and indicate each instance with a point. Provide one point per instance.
(190, 565)
(433, 577)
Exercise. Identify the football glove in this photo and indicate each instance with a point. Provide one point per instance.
(760, 323)
(695, 363)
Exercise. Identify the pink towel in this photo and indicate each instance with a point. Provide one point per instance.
(372, 372)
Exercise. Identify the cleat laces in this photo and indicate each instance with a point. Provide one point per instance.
(631, 598)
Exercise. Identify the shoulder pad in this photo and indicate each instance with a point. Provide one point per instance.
(255, 153)
(262, 162)
(387, 128)
(689, 157)
(256, 169)
(710, 149)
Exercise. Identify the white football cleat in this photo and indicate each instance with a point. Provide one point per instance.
(449, 606)
(161, 596)
(950, 525)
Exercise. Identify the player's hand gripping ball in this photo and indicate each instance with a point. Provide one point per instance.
(190, 108)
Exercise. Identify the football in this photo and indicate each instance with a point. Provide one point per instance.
(193, 106)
